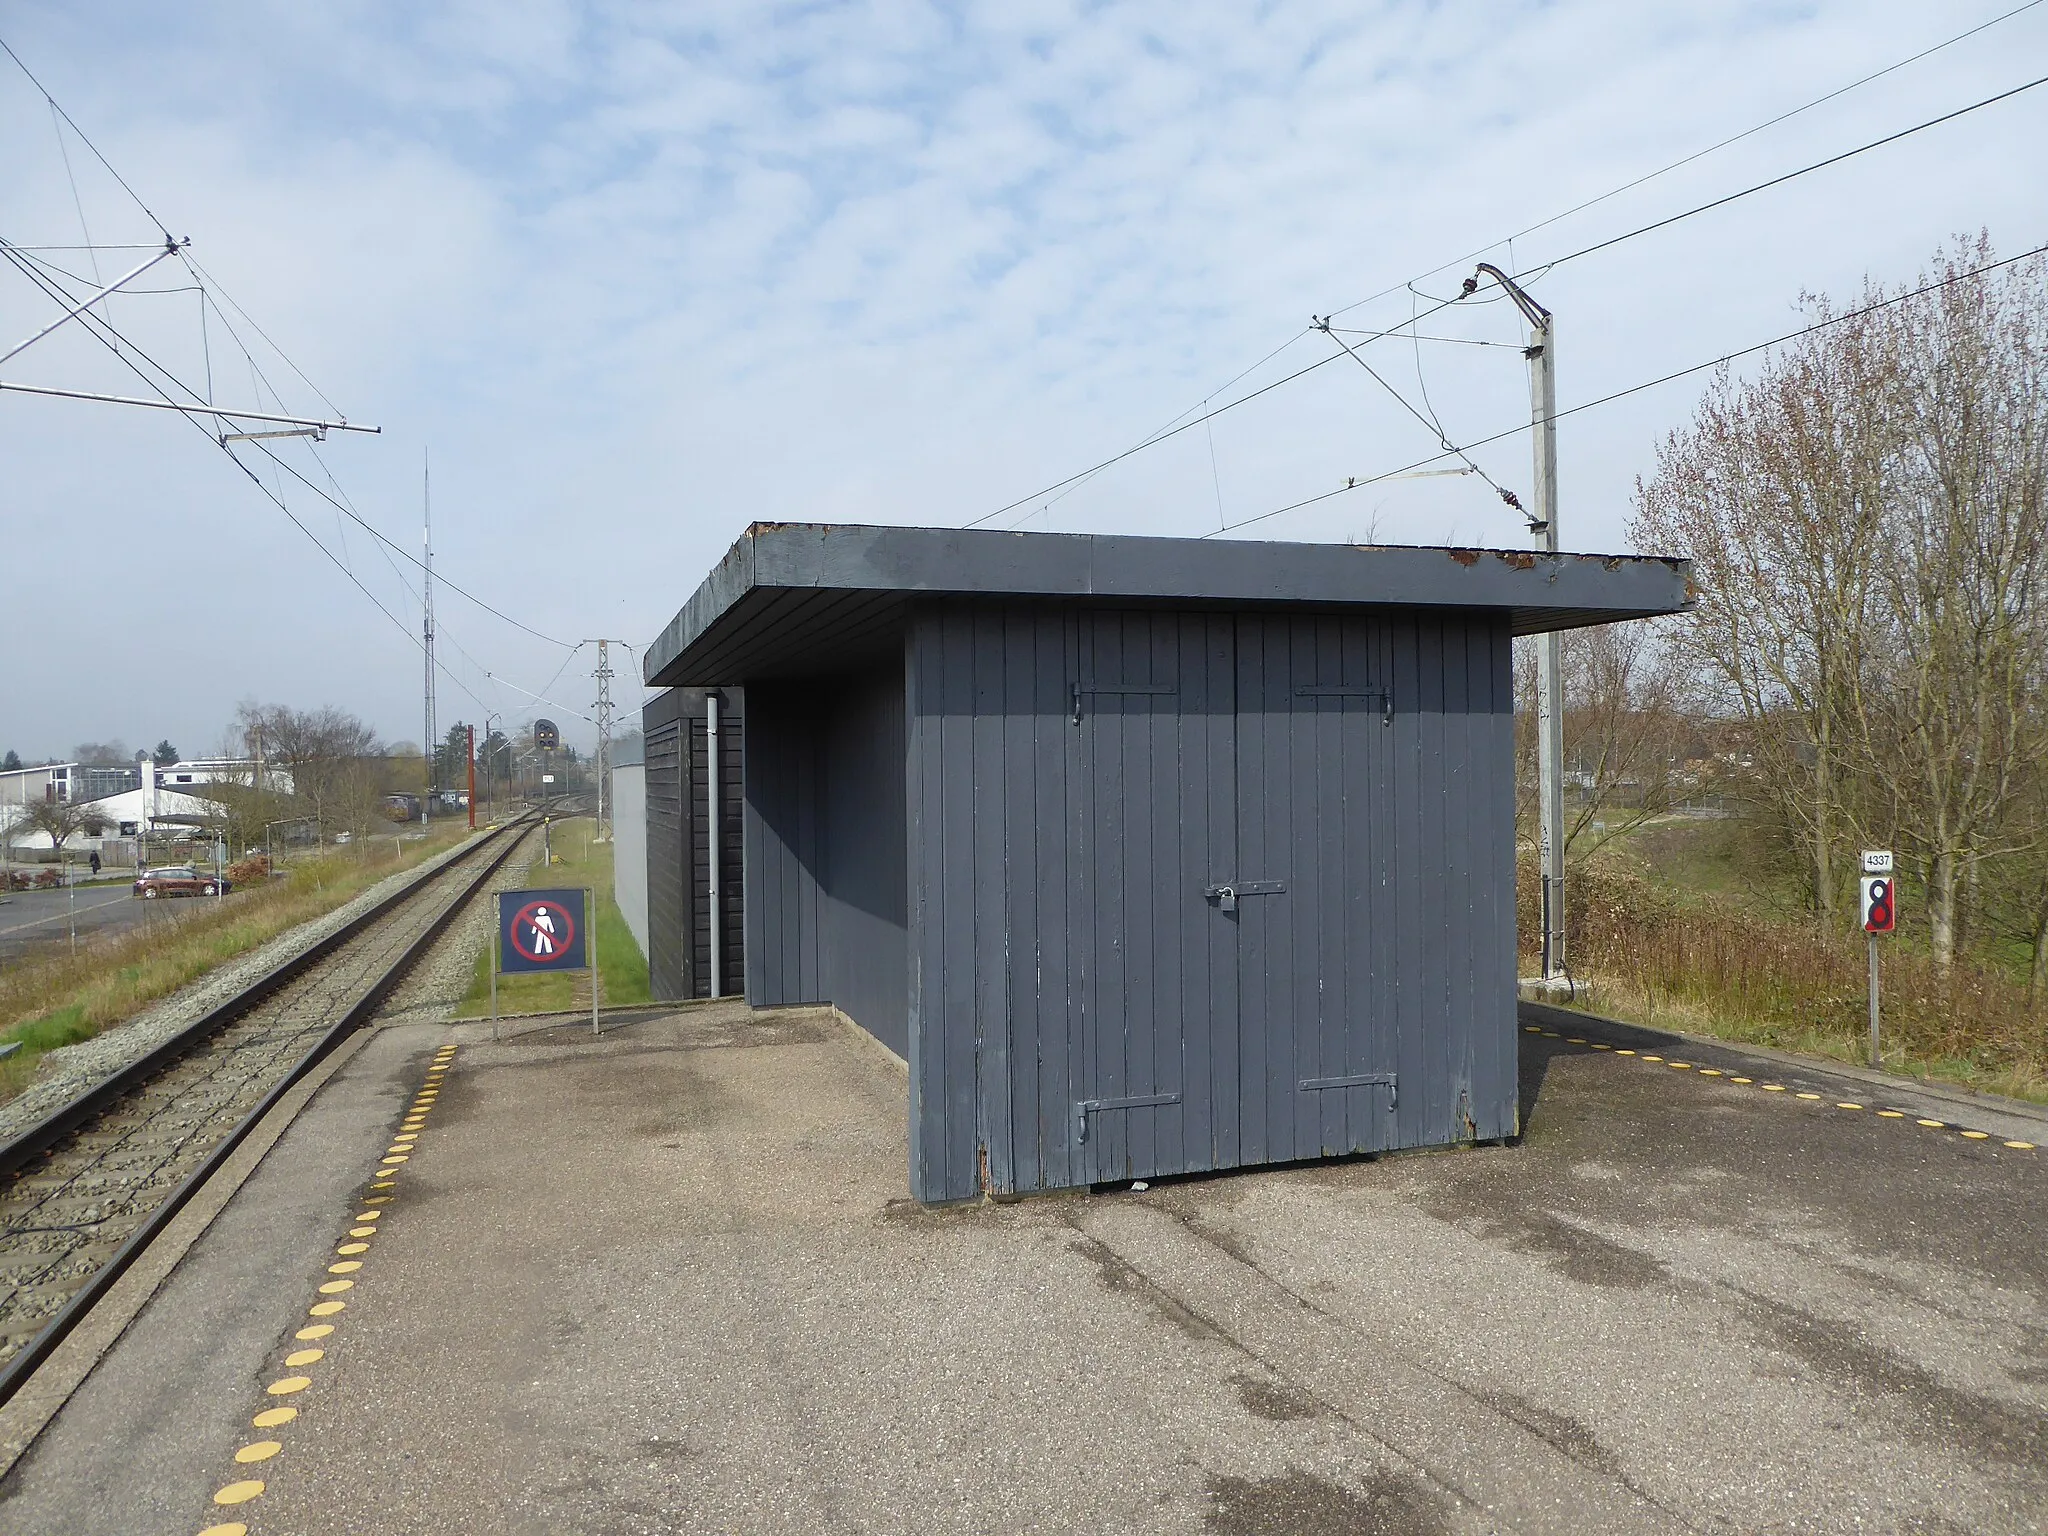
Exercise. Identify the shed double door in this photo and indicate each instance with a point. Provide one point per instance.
(1231, 859)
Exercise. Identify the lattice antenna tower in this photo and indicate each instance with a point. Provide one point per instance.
(604, 740)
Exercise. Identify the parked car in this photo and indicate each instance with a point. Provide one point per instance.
(180, 880)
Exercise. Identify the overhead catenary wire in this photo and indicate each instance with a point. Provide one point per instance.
(1403, 327)
(83, 139)
(99, 328)
(1647, 384)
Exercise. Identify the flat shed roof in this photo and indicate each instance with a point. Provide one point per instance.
(790, 599)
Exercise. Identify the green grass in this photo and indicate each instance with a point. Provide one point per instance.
(1700, 929)
(578, 861)
(59, 996)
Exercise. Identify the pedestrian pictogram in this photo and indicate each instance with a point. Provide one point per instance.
(542, 931)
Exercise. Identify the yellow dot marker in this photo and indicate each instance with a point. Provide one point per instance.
(362, 1231)
(1891, 1114)
(345, 1267)
(286, 1386)
(387, 1184)
(1809, 1095)
(326, 1308)
(353, 1248)
(1624, 1053)
(261, 1450)
(405, 1136)
(367, 1216)
(1679, 1066)
(1599, 1047)
(304, 1356)
(1977, 1135)
(398, 1151)
(1574, 1039)
(1551, 1034)
(1845, 1104)
(376, 1200)
(2021, 1146)
(232, 1528)
(239, 1493)
(315, 1331)
(1741, 1079)
(1710, 1071)
(270, 1418)
(1932, 1125)
(393, 1161)
(1774, 1087)
(336, 1287)
(1532, 1029)
(1648, 1057)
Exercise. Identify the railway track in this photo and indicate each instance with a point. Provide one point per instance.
(84, 1191)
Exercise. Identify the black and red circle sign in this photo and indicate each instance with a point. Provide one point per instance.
(541, 931)
(1880, 915)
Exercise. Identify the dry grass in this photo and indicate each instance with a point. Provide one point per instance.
(56, 998)
(1742, 973)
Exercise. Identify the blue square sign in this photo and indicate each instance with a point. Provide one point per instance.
(541, 931)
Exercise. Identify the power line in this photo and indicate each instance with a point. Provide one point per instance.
(1544, 267)
(1698, 154)
(1636, 389)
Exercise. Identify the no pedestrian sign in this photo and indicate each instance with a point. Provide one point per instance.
(541, 931)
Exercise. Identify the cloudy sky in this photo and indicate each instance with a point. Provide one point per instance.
(636, 275)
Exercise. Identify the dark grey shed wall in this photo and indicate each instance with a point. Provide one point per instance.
(680, 843)
(827, 908)
(1067, 970)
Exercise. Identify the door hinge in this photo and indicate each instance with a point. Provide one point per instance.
(1353, 1080)
(1083, 1108)
(1076, 690)
(1347, 691)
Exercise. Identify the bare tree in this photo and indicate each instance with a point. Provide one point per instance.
(60, 819)
(1868, 520)
(1622, 728)
(332, 758)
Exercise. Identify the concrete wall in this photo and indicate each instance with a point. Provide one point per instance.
(629, 847)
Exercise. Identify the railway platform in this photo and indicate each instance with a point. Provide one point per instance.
(669, 1280)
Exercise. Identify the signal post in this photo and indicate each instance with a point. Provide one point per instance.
(1880, 908)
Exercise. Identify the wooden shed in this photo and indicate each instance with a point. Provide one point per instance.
(1148, 856)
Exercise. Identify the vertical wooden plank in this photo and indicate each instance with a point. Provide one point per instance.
(990, 960)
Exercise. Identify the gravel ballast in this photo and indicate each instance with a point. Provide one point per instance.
(66, 1073)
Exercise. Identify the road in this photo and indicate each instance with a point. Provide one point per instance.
(32, 919)
(669, 1281)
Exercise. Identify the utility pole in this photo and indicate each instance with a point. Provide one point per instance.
(427, 626)
(472, 778)
(604, 736)
(1542, 355)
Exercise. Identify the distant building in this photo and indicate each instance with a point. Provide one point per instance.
(96, 782)
(25, 786)
(217, 770)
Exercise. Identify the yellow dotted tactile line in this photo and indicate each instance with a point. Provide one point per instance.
(362, 1229)
(1730, 1077)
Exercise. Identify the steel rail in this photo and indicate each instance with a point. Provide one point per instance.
(16, 1372)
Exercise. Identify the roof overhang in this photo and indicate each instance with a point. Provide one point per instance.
(792, 599)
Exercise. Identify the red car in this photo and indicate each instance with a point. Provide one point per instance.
(180, 880)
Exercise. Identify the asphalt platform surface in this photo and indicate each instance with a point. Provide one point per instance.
(669, 1281)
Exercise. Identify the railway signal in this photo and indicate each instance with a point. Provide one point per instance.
(1879, 906)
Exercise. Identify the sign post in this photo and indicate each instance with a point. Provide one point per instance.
(1880, 908)
(544, 931)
